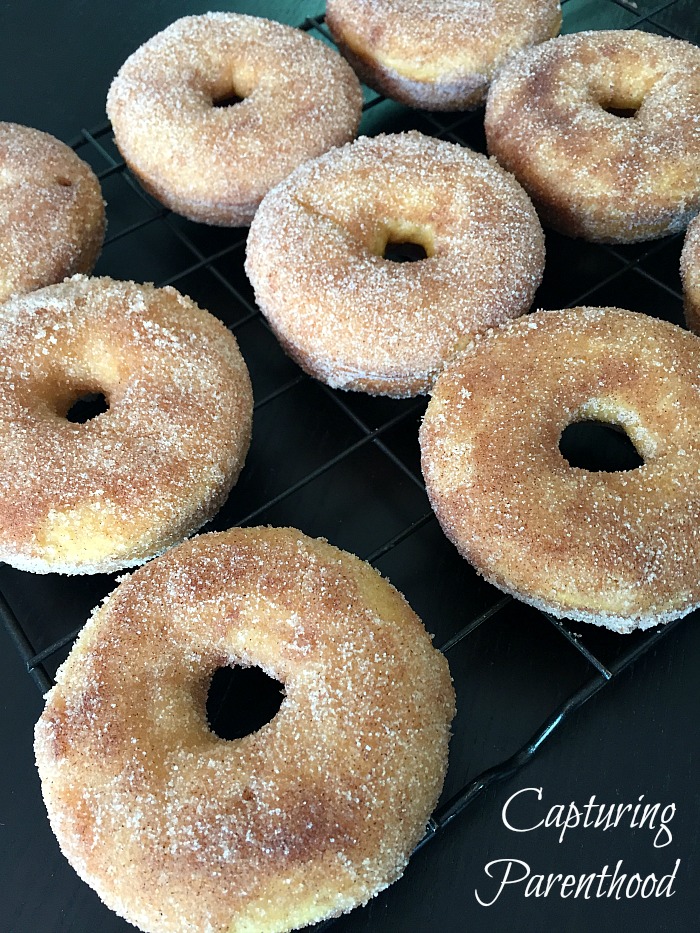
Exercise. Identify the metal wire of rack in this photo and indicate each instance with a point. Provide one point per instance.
(373, 442)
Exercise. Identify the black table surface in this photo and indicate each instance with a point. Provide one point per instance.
(345, 467)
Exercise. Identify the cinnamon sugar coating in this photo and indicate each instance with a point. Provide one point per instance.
(690, 275)
(592, 173)
(215, 163)
(52, 217)
(313, 814)
(355, 320)
(619, 549)
(437, 54)
(119, 488)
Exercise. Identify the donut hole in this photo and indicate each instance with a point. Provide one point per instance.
(227, 99)
(599, 447)
(623, 102)
(64, 182)
(405, 252)
(402, 241)
(241, 700)
(625, 113)
(87, 406)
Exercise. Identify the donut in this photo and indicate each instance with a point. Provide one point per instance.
(357, 320)
(110, 492)
(52, 216)
(436, 54)
(690, 275)
(617, 549)
(212, 161)
(180, 830)
(601, 129)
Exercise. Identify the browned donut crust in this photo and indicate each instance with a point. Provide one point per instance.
(313, 814)
(437, 54)
(690, 275)
(215, 164)
(52, 217)
(590, 172)
(619, 549)
(356, 320)
(113, 491)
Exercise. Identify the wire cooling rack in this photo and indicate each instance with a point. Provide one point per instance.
(346, 466)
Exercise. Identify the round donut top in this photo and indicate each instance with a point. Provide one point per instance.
(548, 121)
(178, 829)
(299, 99)
(428, 40)
(52, 216)
(614, 548)
(93, 497)
(690, 274)
(358, 320)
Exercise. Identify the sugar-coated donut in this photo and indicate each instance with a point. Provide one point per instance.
(619, 549)
(690, 275)
(311, 815)
(601, 128)
(357, 320)
(108, 493)
(52, 216)
(437, 54)
(214, 163)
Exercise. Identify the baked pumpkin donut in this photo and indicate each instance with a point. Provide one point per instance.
(437, 54)
(52, 216)
(311, 815)
(690, 275)
(211, 162)
(619, 549)
(357, 320)
(601, 129)
(141, 475)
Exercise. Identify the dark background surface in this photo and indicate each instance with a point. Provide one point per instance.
(316, 464)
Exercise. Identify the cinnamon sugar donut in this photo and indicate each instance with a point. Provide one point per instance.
(690, 275)
(437, 54)
(601, 129)
(109, 493)
(357, 320)
(214, 163)
(52, 217)
(619, 549)
(314, 813)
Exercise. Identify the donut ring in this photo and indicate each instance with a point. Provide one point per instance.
(619, 549)
(111, 492)
(356, 320)
(52, 216)
(690, 275)
(313, 814)
(214, 164)
(589, 172)
(437, 56)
